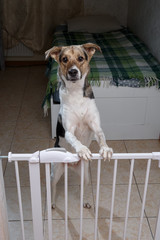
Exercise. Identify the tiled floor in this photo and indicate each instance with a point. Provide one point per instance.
(23, 129)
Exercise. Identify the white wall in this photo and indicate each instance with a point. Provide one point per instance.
(144, 21)
(116, 8)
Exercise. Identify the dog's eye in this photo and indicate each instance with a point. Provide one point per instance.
(80, 58)
(65, 59)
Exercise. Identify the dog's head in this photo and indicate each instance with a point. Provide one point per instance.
(73, 60)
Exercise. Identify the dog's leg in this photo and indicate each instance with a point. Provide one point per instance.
(57, 171)
(77, 169)
(82, 151)
(105, 151)
(86, 203)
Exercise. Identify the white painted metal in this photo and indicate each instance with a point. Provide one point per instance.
(4, 233)
(19, 198)
(34, 170)
(66, 199)
(3, 157)
(144, 198)
(113, 198)
(50, 155)
(157, 157)
(128, 198)
(59, 155)
(81, 200)
(19, 156)
(97, 199)
(48, 187)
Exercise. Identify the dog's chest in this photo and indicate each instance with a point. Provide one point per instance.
(79, 106)
(76, 104)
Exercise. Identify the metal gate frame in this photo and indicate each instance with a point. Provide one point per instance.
(49, 156)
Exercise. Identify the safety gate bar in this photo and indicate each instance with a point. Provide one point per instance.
(60, 155)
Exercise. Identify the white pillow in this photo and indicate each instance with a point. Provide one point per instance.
(93, 24)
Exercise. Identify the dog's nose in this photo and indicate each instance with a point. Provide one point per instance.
(73, 72)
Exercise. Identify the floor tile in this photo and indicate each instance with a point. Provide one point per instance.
(107, 170)
(10, 113)
(11, 96)
(140, 171)
(152, 199)
(16, 233)
(117, 146)
(58, 228)
(4, 165)
(34, 92)
(37, 74)
(140, 165)
(32, 111)
(33, 129)
(15, 78)
(103, 229)
(29, 145)
(73, 229)
(51, 142)
(135, 146)
(10, 177)
(118, 228)
(73, 203)
(73, 178)
(6, 133)
(120, 201)
(153, 224)
(107, 167)
(13, 207)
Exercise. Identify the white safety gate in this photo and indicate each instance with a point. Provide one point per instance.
(55, 155)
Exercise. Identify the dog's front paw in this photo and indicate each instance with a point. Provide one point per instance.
(106, 153)
(87, 205)
(84, 153)
(53, 205)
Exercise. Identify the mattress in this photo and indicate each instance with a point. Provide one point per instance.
(125, 60)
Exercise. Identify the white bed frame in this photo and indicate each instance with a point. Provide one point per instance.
(126, 113)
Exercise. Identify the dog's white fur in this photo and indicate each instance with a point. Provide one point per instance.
(80, 119)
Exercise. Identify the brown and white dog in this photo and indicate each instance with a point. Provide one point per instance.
(78, 118)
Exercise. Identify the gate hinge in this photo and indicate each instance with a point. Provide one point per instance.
(35, 157)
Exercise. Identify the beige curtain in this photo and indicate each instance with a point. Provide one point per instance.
(32, 22)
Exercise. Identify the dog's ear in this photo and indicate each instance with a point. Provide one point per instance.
(53, 53)
(91, 48)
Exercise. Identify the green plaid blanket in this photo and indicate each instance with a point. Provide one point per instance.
(125, 60)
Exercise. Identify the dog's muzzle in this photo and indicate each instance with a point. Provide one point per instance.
(73, 74)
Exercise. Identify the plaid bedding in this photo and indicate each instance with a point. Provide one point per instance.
(125, 60)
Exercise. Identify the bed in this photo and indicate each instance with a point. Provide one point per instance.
(125, 80)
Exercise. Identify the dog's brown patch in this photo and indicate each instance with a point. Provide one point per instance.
(87, 90)
(73, 56)
(76, 55)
